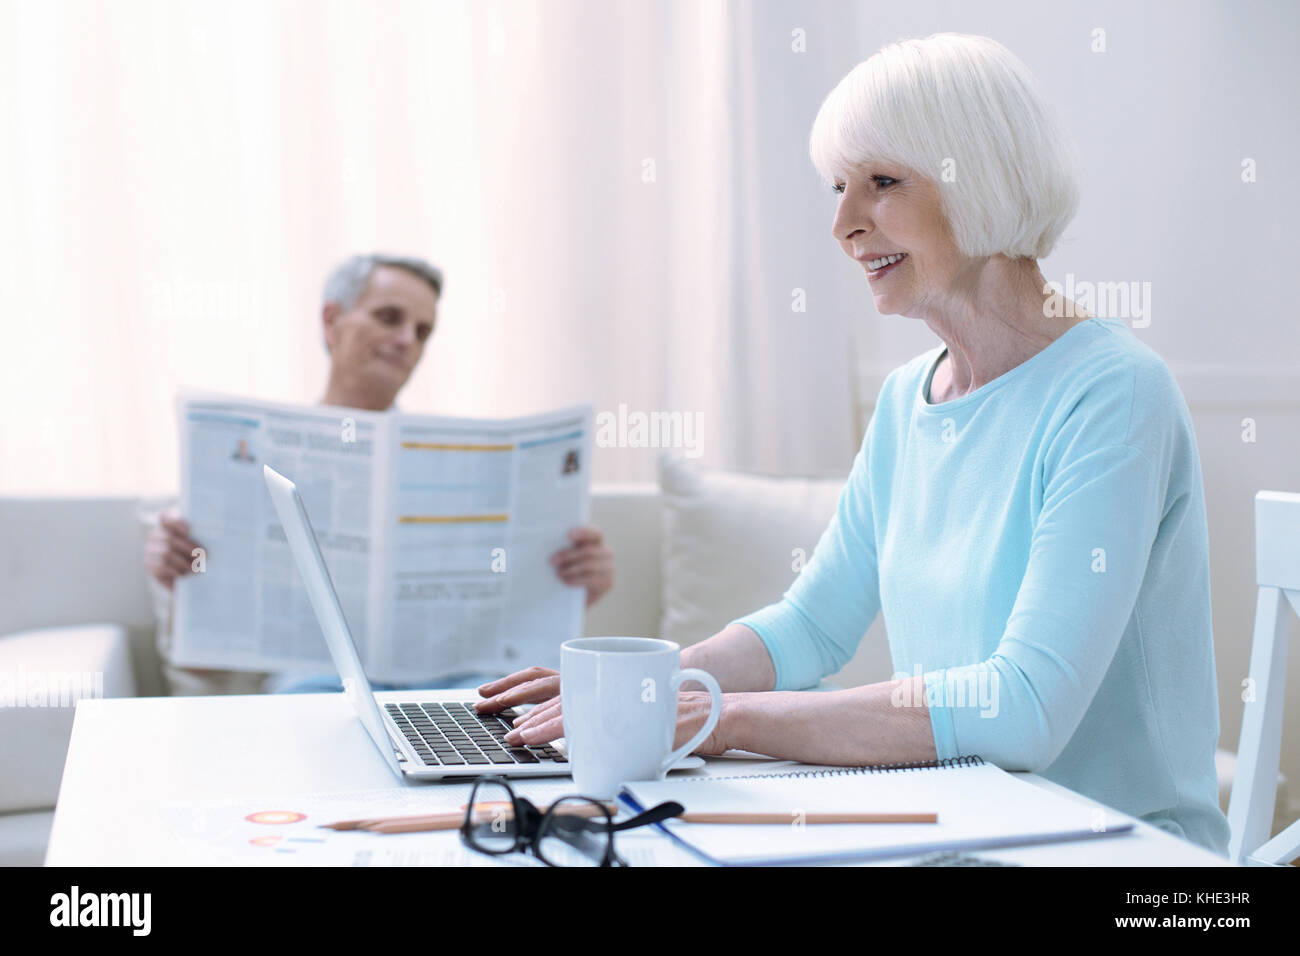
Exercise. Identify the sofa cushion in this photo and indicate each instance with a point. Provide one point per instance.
(629, 517)
(733, 542)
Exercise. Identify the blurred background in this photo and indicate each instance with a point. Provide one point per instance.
(620, 196)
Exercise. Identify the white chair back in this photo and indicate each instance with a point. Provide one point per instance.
(1259, 751)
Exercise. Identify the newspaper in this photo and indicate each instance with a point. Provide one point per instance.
(436, 531)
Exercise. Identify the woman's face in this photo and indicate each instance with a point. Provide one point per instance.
(887, 210)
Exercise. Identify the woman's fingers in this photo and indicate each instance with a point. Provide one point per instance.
(540, 733)
(518, 677)
(545, 723)
(531, 686)
(541, 712)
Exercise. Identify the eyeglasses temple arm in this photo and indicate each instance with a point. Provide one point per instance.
(653, 815)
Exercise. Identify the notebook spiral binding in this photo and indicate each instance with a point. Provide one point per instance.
(973, 760)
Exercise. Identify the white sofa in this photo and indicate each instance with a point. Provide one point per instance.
(77, 602)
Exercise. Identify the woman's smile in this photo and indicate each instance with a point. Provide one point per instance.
(877, 268)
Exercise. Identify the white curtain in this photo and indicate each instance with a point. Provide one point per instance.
(619, 194)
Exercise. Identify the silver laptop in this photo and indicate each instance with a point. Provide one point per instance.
(418, 739)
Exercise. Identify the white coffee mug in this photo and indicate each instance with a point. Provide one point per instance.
(619, 696)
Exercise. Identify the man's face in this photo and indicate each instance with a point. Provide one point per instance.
(381, 338)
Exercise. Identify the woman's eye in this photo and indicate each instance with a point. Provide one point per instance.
(882, 182)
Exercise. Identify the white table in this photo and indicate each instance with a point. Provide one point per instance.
(131, 758)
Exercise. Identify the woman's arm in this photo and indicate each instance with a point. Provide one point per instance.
(736, 658)
(873, 724)
(877, 723)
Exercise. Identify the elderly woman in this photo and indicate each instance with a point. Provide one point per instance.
(1026, 507)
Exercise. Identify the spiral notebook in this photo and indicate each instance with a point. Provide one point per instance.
(979, 805)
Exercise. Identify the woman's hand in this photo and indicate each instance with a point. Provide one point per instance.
(545, 722)
(692, 713)
(533, 685)
(588, 563)
(169, 549)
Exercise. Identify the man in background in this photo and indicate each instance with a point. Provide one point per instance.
(377, 314)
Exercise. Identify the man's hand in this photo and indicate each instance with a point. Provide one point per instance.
(587, 562)
(169, 550)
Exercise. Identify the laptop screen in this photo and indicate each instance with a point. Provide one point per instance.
(325, 601)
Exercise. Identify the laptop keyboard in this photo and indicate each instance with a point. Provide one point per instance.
(455, 735)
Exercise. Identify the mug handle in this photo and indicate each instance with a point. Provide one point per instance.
(715, 711)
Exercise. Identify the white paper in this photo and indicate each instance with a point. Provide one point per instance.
(436, 532)
(286, 830)
(977, 806)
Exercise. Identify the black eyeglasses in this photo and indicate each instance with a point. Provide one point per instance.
(574, 830)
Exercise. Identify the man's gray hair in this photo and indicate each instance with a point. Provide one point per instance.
(348, 280)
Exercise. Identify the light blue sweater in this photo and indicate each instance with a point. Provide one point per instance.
(1040, 553)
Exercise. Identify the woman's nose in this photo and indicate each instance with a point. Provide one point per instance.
(848, 223)
(850, 220)
(848, 232)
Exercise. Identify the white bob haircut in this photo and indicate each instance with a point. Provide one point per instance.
(965, 113)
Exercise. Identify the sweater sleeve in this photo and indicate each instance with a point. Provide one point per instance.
(1088, 558)
(816, 627)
